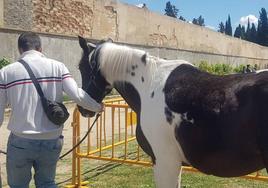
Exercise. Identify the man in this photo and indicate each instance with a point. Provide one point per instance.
(34, 140)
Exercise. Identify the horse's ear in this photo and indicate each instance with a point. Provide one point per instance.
(83, 44)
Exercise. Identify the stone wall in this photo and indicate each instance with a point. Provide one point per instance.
(100, 19)
(90, 18)
(1, 13)
(18, 14)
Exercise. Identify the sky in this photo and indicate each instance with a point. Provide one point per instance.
(213, 11)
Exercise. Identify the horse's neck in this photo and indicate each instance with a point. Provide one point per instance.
(144, 80)
(136, 76)
(130, 94)
(134, 85)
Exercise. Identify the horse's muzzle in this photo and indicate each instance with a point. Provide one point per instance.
(85, 113)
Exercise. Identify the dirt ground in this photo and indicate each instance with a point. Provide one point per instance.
(67, 133)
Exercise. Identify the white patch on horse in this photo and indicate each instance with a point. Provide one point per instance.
(116, 62)
(186, 117)
(262, 70)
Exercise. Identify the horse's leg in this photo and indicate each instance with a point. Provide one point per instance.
(167, 171)
(167, 166)
(165, 147)
(168, 156)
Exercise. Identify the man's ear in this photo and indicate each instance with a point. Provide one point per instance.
(20, 51)
(39, 49)
(110, 40)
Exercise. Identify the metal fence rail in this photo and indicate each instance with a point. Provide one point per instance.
(113, 139)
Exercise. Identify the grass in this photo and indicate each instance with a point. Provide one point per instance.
(113, 175)
(198, 180)
(102, 174)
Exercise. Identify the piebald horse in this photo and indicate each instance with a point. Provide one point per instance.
(217, 124)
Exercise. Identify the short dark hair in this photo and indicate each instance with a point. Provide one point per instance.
(29, 41)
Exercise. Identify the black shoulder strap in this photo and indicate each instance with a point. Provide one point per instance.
(33, 78)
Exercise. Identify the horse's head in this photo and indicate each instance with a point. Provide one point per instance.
(93, 81)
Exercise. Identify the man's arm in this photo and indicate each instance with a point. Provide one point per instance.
(3, 98)
(79, 96)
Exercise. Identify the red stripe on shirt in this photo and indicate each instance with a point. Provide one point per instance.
(66, 77)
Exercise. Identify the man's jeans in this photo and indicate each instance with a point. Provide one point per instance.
(23, 154)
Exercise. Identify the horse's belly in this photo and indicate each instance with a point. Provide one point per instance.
(217, 153)
(227, 163)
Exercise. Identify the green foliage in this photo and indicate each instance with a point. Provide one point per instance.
(66, 98)
(238, 31)
(182, 18)
(263, 28)
(4, 62)
(204, 66)
(252, 33)
(171, 10)
(228, 26)
(199, 21)
(220, 68)
(221, 28)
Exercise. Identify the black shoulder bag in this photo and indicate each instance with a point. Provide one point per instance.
(56, 112)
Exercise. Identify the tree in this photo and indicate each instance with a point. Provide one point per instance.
(228, 27)
(199, 21)
(195, 21)
(182, 18)
(248, 32)
(238, 31)
(253, 32)
(221, 28)
(171, 10)
(263, 28)
(243, 32)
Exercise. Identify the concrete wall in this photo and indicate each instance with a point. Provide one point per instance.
(64, 49)
(67, 50)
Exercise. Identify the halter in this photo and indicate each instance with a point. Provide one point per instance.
(94, 68)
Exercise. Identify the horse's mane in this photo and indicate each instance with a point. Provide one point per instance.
(118, 60)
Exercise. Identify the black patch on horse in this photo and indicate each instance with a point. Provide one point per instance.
(142, 79)
(169, 115)
(225, 137)
(133, 67)
(132, 97)
(143, 59)
(152, 94)
(132, 73)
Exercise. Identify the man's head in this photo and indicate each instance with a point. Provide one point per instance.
(29, 41)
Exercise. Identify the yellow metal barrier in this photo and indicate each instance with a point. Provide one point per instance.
(112, 139)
